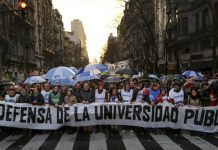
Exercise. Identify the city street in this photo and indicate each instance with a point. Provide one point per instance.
(101, 141)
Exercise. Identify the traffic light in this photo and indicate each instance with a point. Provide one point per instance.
(23, 6)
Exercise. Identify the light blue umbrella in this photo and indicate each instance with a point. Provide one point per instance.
(94, 68)
(152, 76)
(74, 69)
(86, 76)
(191, 73)
(34, 80)
(59, 73)
(62, 82)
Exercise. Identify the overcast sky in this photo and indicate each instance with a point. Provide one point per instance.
(97, 16)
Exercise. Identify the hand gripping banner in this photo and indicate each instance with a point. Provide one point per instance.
(164, 115)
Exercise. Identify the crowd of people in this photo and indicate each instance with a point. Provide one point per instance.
(129, 91)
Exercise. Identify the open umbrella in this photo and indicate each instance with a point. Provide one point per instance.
(86, 77)
(34, 80)
(112, 80)
(128, 71)
(94, 68)
(62, 82)
(59, 73)
(191, 74)
(74, 69)
(152, 76)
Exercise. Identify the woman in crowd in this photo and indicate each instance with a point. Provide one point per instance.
(55, 97)
(164, 96)
(127, 93)
(114, 96)
(70, 99)
(193, 99)
(138, 94)
(101, 94)
(37, 98)
(11, 96)
(24, 96)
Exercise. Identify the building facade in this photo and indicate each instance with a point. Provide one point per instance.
(190, 34)
(72, 50)
(17, 41)
(78, 30)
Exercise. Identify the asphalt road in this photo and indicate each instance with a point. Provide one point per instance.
(54, 140)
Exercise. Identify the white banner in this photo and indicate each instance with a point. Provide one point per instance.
(137, 114)
(120, 65)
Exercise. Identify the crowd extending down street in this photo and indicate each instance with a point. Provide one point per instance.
(178, 91)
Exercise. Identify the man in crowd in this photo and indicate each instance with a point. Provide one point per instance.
(86, 96)
(45, 93)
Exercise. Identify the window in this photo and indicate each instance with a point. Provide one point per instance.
(216, 11)
(204, 44)
(185, 28)
(197, 22)
(205, 19)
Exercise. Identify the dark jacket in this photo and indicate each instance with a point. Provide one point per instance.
(86, 95)
(37, 100)
(24, 99)
(76, 92)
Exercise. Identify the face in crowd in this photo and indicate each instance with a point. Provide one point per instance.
(100, 87)
(194, 93)
(127, 86)
(11, 91)
(132, 84)
(55, 89)
(23, 91)
(140, 85)
(155, 86)
(86, 86)
(77, 86)
(114, 92)
(69, 92)
(36, 91)
(46, 87)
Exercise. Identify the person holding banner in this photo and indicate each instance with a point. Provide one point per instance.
(55, 97)
(127, 93)
(152, 95)
(138, 93)
(114, 97)
(37, 98)
(86, 96)
(45, 93)
(176, 95)
(24, 96)
(70, 99)
(11, 96)
(101, 94)
(193, 99)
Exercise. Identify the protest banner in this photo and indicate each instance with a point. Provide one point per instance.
(119, 65)
(163, 115)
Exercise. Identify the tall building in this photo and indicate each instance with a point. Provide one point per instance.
(17, 41)
(79, 32)
(190, 34)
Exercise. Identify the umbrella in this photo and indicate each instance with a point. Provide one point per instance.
(59, 73)
(94, 68)
(191, 74)
(34, 79)
(62, 82)
(112, 79)
(74, 69)
(152, 76)
(128, 71)
(86, 77)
